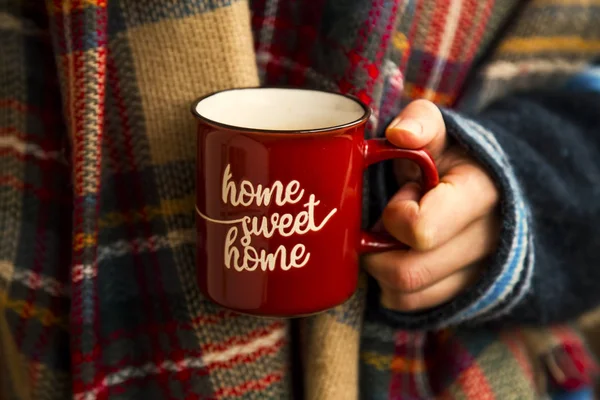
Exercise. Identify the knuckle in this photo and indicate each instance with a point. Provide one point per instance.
(410, 280)
(419, 234)
(424, 237)
(410, 212)
(395, 217)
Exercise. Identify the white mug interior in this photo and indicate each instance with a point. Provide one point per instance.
(280, 109)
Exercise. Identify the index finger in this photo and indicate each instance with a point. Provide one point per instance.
(465, 194)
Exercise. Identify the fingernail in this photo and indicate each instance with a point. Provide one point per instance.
(409, 125)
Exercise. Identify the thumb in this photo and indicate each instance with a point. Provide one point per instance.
(419, 125)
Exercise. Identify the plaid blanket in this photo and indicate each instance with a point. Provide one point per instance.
(97, 273)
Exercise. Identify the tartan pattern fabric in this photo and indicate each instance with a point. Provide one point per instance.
(97, 292)
(81, 61)
(143, 330)
(35, 203)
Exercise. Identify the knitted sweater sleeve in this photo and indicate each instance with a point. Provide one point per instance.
(543, 150)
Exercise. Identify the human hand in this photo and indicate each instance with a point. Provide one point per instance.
(450, 230)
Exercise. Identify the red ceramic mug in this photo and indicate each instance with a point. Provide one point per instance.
(279, 198)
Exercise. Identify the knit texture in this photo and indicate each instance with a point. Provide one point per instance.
(97, 270)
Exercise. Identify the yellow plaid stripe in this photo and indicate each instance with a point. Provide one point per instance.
(166, 208)
(27, 311)
(550, 44)
(83, 240)
(394, 363)
(376, 360)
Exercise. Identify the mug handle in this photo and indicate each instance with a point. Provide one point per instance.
(378, 150)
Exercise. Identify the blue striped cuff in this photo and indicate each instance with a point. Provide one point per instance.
(586, 81)
(508, 276)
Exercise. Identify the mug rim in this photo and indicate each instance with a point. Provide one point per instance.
(292, 132)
